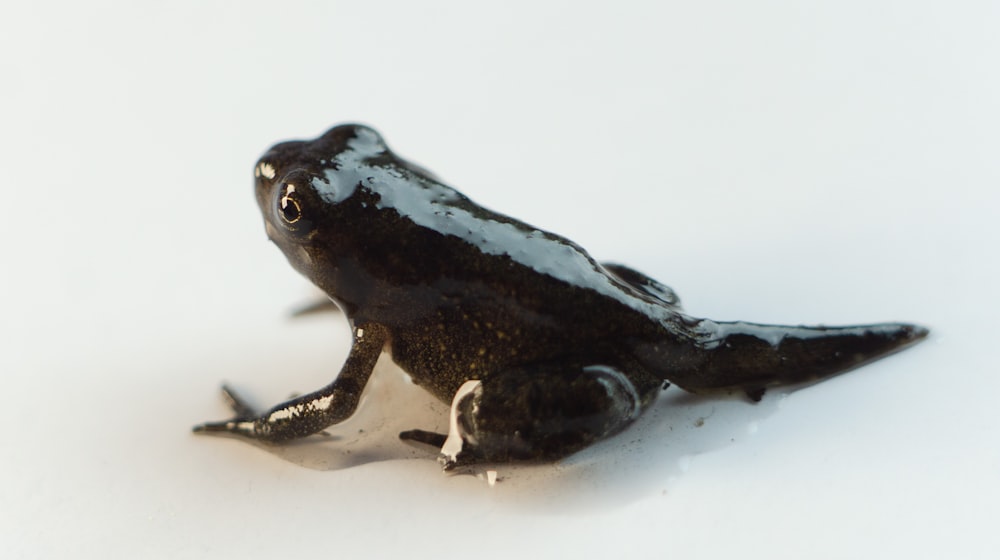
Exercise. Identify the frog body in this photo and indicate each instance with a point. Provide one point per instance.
(540, 349)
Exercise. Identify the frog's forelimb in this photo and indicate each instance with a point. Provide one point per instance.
(310, 413)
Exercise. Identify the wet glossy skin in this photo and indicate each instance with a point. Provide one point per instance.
(540, 349)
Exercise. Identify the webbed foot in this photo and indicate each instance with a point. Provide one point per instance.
(240, 423)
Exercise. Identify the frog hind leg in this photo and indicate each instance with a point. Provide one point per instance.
(752, 357)
(539, 413)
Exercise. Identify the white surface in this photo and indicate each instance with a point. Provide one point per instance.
(831, 162)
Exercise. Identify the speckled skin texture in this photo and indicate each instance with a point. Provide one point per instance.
(565, 350)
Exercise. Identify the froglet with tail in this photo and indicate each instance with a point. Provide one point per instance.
(540, 349)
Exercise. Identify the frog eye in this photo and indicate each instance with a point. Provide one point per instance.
(293, 205)
(288, 205)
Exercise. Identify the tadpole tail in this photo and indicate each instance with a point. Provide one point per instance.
(753, 357)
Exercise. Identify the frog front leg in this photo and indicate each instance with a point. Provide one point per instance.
(542, 412)
(311, 413)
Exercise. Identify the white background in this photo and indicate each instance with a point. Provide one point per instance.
(778, 161)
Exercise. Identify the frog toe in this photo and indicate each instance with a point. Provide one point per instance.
(240, 423)
(319, 305)
(238, 404)
(453, 463)
(432, 439)
(234, 426)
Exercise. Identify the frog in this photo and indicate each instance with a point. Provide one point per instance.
(538, 349)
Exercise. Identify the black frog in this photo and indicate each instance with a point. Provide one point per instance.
(540, 349)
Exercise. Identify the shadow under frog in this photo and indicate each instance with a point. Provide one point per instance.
(540, 349)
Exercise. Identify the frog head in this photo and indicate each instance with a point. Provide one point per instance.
(311, 195)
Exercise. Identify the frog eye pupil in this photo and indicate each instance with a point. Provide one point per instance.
(289, 208)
